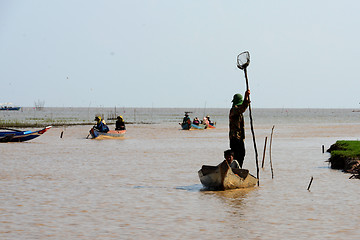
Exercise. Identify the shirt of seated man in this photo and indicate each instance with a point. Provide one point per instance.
(229, 157)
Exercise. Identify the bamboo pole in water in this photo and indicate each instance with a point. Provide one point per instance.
(262, 164)
(310, 183)
(272, 171)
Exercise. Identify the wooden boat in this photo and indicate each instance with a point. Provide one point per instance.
(198, 127)
(8, 107)
(12, 135)
(110, 134)
(192, 127)
(222, 177)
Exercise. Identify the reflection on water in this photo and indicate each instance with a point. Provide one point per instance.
(230, 194)
(146, 185)
(191, 188)
(231, 200)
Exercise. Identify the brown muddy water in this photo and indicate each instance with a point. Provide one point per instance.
(146, 186)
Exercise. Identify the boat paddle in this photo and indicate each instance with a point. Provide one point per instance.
(243, 61)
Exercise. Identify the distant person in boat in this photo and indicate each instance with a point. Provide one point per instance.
(186, 120)
(208, 119)
(205, 121)
(120, 124)
(100, 125)
(229, 157)
(236, 126)
(196, 121)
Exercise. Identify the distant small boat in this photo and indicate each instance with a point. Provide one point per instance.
(9, 108)
(222, 177)
(185, 126)
(110, 134)
(12, 135)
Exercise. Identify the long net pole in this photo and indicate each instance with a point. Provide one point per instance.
(252, 130)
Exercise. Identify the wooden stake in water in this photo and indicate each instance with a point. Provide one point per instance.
(61, 135)
(272, 171)
(262, 164)
(310, 184)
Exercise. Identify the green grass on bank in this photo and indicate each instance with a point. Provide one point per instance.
(343, 153)
(347, 148)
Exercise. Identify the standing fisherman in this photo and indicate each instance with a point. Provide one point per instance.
(236, 126)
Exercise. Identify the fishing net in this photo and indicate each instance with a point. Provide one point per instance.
(243, 60)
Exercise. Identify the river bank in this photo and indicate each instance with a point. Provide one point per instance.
(345, 155)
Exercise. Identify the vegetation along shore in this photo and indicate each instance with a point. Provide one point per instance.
(345, 155)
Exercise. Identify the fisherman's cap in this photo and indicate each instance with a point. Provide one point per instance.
(237, 99)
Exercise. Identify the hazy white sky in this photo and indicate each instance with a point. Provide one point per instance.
(165, 53)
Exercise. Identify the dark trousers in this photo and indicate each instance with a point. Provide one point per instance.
(238, 147)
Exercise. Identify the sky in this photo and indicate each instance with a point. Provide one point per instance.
(167, 53)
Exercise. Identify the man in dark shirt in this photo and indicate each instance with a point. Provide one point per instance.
(236, 126)
(120, 124)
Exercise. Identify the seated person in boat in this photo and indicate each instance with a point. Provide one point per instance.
(120, 124)
(209, 121)
(100, 125)
(196, 121)
(205, 121)
(186, 120)
(229, 157)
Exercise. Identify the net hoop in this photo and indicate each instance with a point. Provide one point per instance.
(243, 60)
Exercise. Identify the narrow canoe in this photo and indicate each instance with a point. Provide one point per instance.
(193, 126)
(10, 108)
(222, 177)
(197, 127)
(20, 136)
(110, 134)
